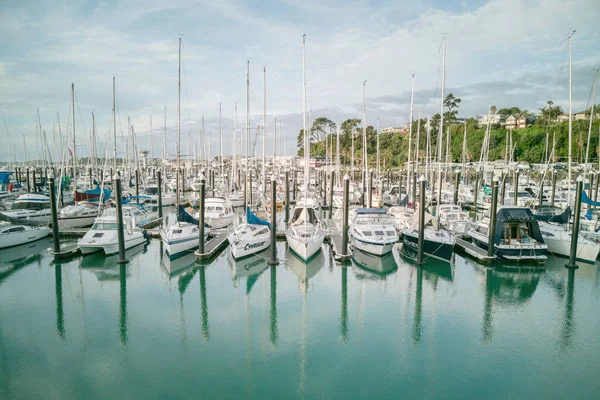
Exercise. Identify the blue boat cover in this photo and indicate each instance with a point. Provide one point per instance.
(362, 211)
(183, 216)
(5, 177)
(252, 219)
(96, 190)
(586, 200)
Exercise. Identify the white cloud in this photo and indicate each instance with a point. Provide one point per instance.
(499, 41)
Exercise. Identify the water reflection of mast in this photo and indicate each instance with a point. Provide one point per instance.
(273, 313)
(487, 328)
(203, 305)
(303, 361)
(417, 324)
(569, 323)
(344, 313)
(123, 309)
(60, 315)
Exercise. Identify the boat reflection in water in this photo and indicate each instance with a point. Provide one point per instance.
(14, 258)
(107, 268)
(368, 266)
(176, 266)
(249, 267)
(305, 271)
(504, 286)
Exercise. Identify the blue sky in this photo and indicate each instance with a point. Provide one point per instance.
(504, 52)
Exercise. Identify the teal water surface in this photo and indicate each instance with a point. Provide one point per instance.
(378, 328)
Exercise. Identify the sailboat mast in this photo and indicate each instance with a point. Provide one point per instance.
(164, 155)
(587, 148)
(570, 117)
(151, 140)
(93, 155)
(74, 143)
(264, 130)
(410, 128)
(178, 123)
(306, 143)
(364, 129)
(246, 188)
(114, 127)
(234, 155)
(441, 131)
(337, 152)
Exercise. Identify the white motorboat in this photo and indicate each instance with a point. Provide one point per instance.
(15, 235)
(77, 216)
(454, 219)
(401, 217)
(32, 207)
(103, 235)
(517, 235)
(373, 232)
(218, 212)
(250, 238)
(558, 241)
(304, 235)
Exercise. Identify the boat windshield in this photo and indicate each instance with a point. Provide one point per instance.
(105, 226)
(372, 220)
(30, 205)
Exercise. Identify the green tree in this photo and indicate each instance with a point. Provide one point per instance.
(451, 103)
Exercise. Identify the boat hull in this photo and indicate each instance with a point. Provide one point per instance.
(76, 222)
(23, 237)
(585, 251)
(130, 241)
(246, 248)
(378, 249)
(304, 250)
(440, 251)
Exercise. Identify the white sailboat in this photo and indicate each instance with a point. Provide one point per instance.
(304, 235)
(253, 236)
(181, 236)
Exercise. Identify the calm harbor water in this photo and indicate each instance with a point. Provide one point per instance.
(154, 329)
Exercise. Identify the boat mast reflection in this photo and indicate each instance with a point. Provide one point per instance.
(344, 309)
(60, 315)
(204, 305)
(123, 303)
(568, 328)
(274, 334)
(417, 322)
(486, 326)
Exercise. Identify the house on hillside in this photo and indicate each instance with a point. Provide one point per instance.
(494, 119)
(524, 122)
(391, 130)
(510, 122)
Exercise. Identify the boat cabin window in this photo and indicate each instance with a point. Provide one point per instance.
(515, 231)
(15, 229)
(379, 233)
(367, 233)
(395, 190)
(151, 190)
(30, 205)
(391, 233)
(482, 229)
(261, 232)
(105, 226)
